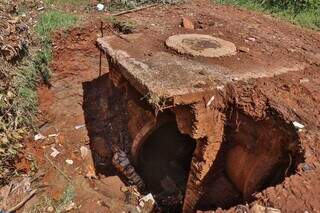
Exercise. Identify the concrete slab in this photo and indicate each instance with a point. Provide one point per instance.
(160, 72)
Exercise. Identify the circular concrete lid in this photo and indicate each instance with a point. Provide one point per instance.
(201, 45)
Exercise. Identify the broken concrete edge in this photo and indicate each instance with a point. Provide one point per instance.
(125, 62)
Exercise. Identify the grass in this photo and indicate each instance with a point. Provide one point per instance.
(303, 12)
(18, 96)
(123, 26)
(49, 22)
(58, 205)
(67, 2)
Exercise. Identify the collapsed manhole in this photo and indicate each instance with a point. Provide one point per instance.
(200, 45)
(164, 164)
(207, 157)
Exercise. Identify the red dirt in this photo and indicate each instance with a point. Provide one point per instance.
(294, 95)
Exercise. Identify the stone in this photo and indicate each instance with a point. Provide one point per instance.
(187, 23)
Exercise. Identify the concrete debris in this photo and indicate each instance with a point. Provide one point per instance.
(39, 136)
(256, 208)
(54, 152)
(298, 125)
(70, 162)
(244, 49)
(100, 7)
(187, 23)
(122, 164)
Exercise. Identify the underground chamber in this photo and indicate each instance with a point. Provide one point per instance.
(163, 161)
(255, 154)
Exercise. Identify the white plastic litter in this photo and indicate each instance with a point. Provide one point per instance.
(146, 199)
(210, 101)
(70, 162)
(221, 87)
(39, 136)
(298, 125)
(100, 7)
(54, 152)
(53, 135)
(80, 126)
(84, 152)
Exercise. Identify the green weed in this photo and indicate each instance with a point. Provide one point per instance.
(303, 12)
(125, 27)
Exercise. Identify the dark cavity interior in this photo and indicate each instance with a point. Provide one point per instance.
(255, 154)
(164, 163)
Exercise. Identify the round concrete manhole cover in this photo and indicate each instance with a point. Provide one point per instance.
(201, 45)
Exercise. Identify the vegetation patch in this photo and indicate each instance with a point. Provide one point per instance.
(303, 12)
(125, 27)
(18, 96)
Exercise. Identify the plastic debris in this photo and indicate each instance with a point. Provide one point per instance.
(298, 125)
(220, 87)
(80, 126)
(53, 135)
(54, 152)
(100, 7)
(256, 208)
(39, 136)
(70, 162)
(84, 152)
(146, 203)
(210, 101)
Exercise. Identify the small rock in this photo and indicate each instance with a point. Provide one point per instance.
(40, 8)
(187, 23)
(244, 49)
(84, 152)
(256, 208)
(70, 162)
(251, 39)
(50, 209)
(304, 80)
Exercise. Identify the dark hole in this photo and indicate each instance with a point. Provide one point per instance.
(255, 154)
(164, 163)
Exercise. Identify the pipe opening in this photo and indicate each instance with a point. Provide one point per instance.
(164, 164)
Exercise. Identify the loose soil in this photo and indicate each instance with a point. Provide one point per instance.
(78, 96)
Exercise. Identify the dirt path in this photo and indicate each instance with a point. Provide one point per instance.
(76, 61)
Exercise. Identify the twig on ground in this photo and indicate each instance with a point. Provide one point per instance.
(7, 195)
(57, 168)
(134, 10)
(19, 205)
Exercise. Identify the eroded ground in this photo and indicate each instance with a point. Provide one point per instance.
(79, 97)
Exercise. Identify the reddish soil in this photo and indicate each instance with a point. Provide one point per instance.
(76, 98)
